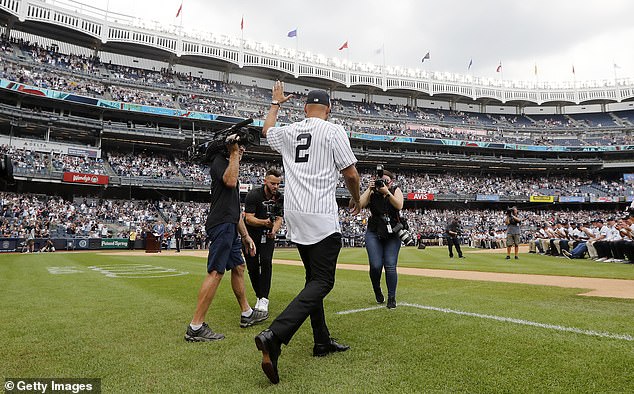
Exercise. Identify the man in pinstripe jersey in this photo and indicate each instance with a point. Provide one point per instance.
(314, 152)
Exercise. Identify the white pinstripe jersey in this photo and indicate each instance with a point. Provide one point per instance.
(313, 151)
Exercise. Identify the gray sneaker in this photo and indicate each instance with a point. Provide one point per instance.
(255, 317)
(203, 334)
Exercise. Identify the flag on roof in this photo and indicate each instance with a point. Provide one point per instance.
(179, 10)
(470, 64)
(426, 57)
(497, 70)
(292, 33)
(242, 23)
(344, 46)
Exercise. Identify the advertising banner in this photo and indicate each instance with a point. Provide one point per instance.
(420, 196)
(487, 197)
(542, 199)
(572, 199)
(604, 199)
(114, 243)
(9, 244)
(245, 187)
(91, 179)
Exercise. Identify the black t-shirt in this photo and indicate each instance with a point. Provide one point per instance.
(254, 204)
(452, 226)
(379, 206)
(225, 201)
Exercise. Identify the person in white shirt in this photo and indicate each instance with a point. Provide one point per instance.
(314, 152)
(604, 247)
(600, 232)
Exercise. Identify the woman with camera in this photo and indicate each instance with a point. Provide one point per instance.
(381, 239)
(512, 231)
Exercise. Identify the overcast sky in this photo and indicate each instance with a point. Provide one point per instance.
(552, 35)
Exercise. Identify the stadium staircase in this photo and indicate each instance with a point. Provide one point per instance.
(533, 121)
(619, 121)
(574, 122)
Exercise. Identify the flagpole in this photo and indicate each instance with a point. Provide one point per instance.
(614, 67)
(536, 75)
(383, 55)
(297, 53)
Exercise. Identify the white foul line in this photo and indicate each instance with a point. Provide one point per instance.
(623, 337)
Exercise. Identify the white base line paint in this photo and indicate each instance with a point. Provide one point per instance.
(623, 337)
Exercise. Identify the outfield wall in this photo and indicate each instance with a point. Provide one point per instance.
(18, 244)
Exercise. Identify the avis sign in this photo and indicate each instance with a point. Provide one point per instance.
(91, 179)
(420, 196)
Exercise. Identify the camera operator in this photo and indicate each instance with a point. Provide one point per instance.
(225, 229)
(263, 208)
(382, 242)
(512, 221)
(453, 231)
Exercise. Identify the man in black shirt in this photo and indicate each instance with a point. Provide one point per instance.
(452, 231)
(222, 227)
(178, 235)
(262, 214)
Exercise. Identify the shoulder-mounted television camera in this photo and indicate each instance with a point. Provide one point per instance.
(236, 134)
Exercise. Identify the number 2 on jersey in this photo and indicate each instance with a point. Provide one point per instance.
(301, 154)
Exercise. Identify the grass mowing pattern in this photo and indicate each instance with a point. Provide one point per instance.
(129, 332)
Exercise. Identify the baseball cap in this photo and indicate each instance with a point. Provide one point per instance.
(318, 97)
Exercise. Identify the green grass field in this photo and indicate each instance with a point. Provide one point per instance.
(127, 328)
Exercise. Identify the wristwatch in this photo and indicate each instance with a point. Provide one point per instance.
(275, 102)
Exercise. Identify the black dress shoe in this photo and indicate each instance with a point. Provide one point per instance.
(391, 302)
(271, 347)
(324, 349)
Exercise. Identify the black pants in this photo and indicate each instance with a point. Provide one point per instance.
(260, 267)
(603, 249)
(451, 242)
(623, 249)
(320, 262)
(179, 243)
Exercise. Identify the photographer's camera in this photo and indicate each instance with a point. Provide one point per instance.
(403, 234)
(379, 183)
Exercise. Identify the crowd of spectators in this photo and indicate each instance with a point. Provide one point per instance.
(194, 93)
(29, 216)
(79, 164)
(460, 184)
(143, 164)
(53, 216)
(174, 168)
(480, 227)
